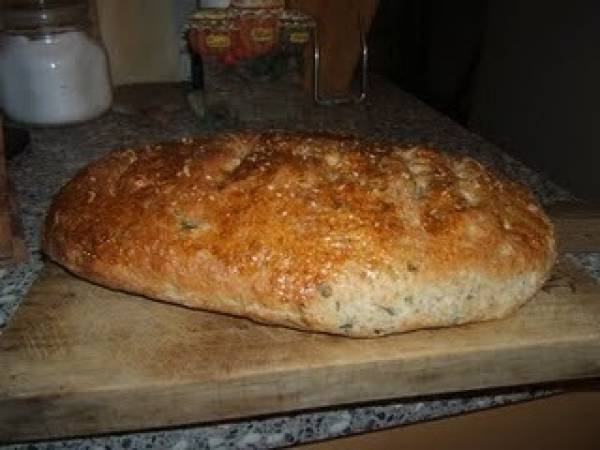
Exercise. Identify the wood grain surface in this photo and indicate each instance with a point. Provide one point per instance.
(80, 359)
(338, 22)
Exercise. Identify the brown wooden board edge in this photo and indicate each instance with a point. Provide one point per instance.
(96, 412)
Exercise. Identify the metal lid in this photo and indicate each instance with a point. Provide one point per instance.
(258, 4)
(292, 16)
(40, 14)
(211, 14)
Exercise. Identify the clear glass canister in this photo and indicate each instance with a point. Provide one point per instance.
(52, 70)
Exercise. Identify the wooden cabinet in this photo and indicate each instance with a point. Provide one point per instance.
(556, 423)
(338, 22)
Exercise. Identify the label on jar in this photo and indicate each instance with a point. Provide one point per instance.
(263, 34)
(299, 37)
(218, 41)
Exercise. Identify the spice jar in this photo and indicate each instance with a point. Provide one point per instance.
(259, 30)
(52, 70)
(296, 31)
(256, 77)
(213, 32)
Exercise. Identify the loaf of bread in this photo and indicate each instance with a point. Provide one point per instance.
(312, 231)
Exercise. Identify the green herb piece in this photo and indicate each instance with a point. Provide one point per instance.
(387, 309)
(325, 290)
(188, 224)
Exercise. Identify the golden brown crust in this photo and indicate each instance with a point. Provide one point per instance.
(268, 225)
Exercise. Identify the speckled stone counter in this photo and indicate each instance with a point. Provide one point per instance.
(156, 113)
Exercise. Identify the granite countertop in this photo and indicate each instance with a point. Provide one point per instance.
(146, 114)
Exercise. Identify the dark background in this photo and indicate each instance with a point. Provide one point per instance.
(525, 74)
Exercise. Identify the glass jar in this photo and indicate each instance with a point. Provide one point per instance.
(259, 30)
(52, 70)
(260, 73)
(297, 30)
(213, 32)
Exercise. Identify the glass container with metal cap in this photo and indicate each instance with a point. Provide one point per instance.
(52, 70)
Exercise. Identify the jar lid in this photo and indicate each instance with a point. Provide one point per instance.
(263, 4)
(292, 16)
(38, 14)
(211, 14)
(258, 12)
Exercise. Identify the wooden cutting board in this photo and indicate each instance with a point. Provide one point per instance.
(80, 359)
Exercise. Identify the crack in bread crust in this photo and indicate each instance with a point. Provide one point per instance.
(310, 230)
